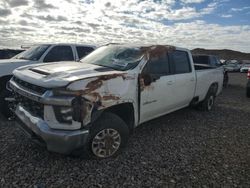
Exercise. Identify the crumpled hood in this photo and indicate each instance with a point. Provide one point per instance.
(8, 65)
(60, 74)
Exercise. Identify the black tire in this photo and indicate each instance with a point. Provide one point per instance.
(248, 92)
(225, 79)
(106, 121)
(208, 103)
(4, 105)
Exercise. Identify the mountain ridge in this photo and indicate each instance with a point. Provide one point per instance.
(225, 54)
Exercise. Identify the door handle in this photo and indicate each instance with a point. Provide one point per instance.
(170, 82)
(192, 79)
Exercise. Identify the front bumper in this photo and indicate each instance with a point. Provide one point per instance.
(60, 141)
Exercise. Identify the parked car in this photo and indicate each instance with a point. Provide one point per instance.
(8, 53)
(37, 54)
(244, 68)
(92, 106)
(248, 84)
(232, 67)
(209, 62)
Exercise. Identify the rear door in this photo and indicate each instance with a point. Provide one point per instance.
(157, 88)
(185, 80)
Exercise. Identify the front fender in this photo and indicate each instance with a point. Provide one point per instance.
(102, 92)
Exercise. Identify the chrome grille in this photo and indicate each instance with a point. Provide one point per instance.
(29, 86)
(33, 107)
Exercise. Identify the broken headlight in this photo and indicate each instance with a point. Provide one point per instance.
(63, 114)
(75, 112)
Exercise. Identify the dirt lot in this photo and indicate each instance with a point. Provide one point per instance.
(185, 148)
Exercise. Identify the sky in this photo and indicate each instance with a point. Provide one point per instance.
(210, 24)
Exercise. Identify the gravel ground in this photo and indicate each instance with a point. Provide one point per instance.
(187, 148)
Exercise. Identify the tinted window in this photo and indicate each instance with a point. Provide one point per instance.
(59, 53)
(181, 62)
(83, 51)
(33, 53)
(213, 61)
(158, 65)
(217, 62)
(201, 60)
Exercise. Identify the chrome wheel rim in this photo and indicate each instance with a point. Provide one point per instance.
(106, 143)
(210, 102)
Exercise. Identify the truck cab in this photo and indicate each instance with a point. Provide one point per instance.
(93, 106)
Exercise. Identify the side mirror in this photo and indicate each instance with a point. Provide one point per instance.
(147, 79)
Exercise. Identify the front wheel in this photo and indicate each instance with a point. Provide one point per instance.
(108, 135)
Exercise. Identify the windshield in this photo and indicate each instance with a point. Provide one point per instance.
(34, 53)
(116, 57)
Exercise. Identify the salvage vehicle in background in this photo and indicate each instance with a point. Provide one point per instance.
(209, 62)
(37, 54)
(244, 68)
(232, 67)
(91, 107)
(9, 53)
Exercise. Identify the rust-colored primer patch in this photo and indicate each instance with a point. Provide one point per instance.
(94, 95)
(95, 84)
(110, 97)
(158, 50)
(153, 52)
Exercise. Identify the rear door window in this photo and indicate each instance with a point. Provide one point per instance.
(82, 51)
(59, 53)
(180, 60)
(201, 60)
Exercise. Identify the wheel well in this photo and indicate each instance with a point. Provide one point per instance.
(4, 80)
(126, 112)
(213, 88)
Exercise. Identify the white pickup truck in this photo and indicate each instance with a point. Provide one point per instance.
(91, 107)
(37, 54)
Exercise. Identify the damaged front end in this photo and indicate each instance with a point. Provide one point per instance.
(60, 108)
(79, 110)
(51, 119)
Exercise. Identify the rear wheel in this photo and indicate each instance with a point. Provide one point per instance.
(225, 79)
(208, 103)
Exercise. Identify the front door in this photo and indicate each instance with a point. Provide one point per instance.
(157, 88)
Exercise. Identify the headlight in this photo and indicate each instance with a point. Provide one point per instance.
(63, 114)
(67, 114)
